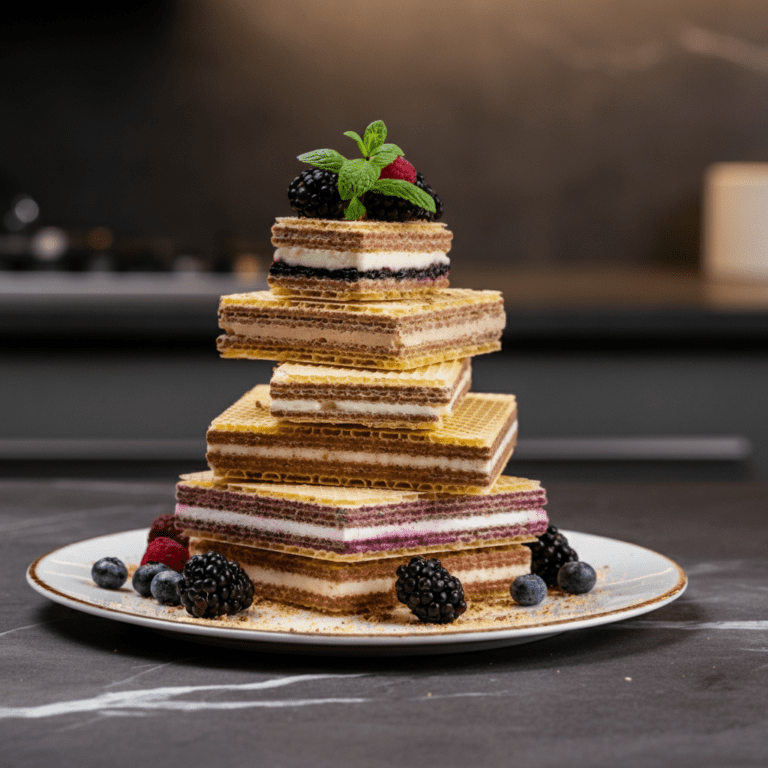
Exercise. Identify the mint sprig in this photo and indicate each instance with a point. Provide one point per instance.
(327, 159)
(356, 177)
(404, 189)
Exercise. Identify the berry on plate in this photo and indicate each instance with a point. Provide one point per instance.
(165, 550)
(432, 594)
(109, 573)
(528, 589)
(214, 586)
(577, 578)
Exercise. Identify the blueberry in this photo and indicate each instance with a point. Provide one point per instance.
(528, 589)
(576, 578)
(142, 578)
(165, 587)
(109, 573)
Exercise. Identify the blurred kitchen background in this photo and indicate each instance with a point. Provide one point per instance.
(146, 148)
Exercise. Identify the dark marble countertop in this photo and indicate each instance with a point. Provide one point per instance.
(686, 685)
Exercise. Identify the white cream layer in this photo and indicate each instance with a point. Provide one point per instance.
(460, 523)
(327, 588)
(327, 259)
(354, 457)
(432, 410)
(427, 333)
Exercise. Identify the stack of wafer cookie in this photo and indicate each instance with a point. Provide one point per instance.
(367, 447)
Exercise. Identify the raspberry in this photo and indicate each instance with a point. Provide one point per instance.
(399, 168)
(168, 551)
(167, 525)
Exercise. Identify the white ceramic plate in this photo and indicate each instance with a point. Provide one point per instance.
(631, 581)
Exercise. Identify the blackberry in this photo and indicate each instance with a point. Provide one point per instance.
(529, 589)
(432, 594)
(212, 586)
(314, 194)
(109, 573)
(388, 208)
(550, 553)
(576, 577)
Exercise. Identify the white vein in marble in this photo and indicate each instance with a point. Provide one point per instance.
(146, 700)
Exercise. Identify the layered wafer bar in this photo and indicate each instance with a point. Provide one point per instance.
(418, 399)
(465, 455)
(390, 335)
(328, 586)
(349, 524)
(358, 260)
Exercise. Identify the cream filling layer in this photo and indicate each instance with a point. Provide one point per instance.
(355, 457)
(367, 407)
(191, 515)
(298, 256)
(396, 338)
(328, 588)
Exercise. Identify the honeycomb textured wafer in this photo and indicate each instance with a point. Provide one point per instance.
(467, 453)
(418, 399)
(361, 235)
(397, 335)
(356, 524)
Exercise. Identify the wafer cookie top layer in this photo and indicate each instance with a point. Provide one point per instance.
(341, 235)
(476, 424)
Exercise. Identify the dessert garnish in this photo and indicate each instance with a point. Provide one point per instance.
(167, 525)
(550, 553)
(165, 550)
(143, 575)
(432, 594)
(214, 586)
(109, 573)
(576, 577)
(165, 587)
(529, 589)
(382, 172)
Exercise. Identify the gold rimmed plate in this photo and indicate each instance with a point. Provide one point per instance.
(631, 581)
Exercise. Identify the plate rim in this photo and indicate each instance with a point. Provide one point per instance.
(424, 637)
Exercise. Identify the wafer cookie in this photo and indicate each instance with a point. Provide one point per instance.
(332, 587)
(417, 399)
(350, 524)
(401, 335)
(358, 260)
(465, 455)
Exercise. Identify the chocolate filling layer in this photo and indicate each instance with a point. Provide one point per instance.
(351, 275)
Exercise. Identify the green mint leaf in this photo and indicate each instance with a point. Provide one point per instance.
(355, 210)
(327, 159)
(406, 190)
(381, 158)
(356, 177)
(391, 147)
(358, 139)
(375, 134)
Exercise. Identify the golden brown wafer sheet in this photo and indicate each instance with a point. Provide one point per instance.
(417, 399)
(467, 453)
(342, 235)
(394, 335)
